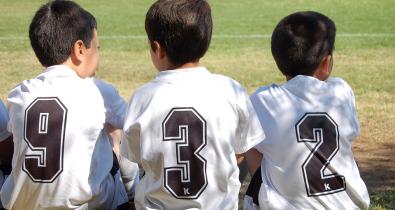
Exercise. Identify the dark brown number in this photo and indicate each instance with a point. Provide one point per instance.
(322, 130)
(45, 124)
(188, 179)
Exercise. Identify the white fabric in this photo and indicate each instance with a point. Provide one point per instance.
(87, 153)
(280, 108)
(130, 176)
(248, 203)
(4, 133)
(231, 128)
(2, 180)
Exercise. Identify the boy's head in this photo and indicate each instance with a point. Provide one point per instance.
(182, 28)
(302, 41)
(61, 28)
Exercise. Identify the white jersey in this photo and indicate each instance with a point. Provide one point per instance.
(4, 133)
(62, 157)
(185, 128)
(307, 156)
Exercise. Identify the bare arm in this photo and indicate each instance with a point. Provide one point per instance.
(115, 136)
(240, 158)
(129, 170)
(254, 159)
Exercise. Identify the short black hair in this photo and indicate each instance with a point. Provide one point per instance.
(301, 40)
(55, 28)
(182, 27)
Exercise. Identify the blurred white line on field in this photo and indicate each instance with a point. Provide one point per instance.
(219, 36)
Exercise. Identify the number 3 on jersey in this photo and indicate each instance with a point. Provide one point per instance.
(188, 179)
(45, 124)
(321, 129)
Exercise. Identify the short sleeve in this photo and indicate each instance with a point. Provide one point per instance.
(343, 92)
(130, 144)
(354, 115)
(4, 118)
(249, 130)
(115, 105)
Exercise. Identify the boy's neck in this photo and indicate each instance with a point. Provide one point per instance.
(188, 65)
(76, 68)
(287, 78)
(183, 66)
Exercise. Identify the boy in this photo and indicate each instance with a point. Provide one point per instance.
(6, 146)
(185, 127)
(310, 123)
(63, 158)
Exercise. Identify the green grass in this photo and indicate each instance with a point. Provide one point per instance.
(383, 200)
(366, 62)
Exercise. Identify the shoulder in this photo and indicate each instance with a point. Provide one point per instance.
(228, 85)
(143, 96)
(148, 89)
(226, 80)
(338, 82)
(22, 89)
(266, 91)
(340, 86)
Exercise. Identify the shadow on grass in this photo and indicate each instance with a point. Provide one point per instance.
(377, 169)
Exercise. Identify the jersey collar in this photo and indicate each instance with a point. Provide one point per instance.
(60, 70)
(305, 83)
(181, 74)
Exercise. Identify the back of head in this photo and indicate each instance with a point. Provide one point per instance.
(55, 28)
(301, 40)
(182, 27)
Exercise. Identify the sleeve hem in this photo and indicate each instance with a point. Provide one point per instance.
(251, 143)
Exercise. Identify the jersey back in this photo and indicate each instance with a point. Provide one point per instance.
(185, 128)
(62, 157)
(308, 161)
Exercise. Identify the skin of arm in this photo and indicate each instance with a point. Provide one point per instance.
(254, 158)
(240, 158)
(115, 136)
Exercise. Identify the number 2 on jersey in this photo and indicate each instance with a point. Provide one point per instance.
(187, 128)
(321, 129)
(44, 129)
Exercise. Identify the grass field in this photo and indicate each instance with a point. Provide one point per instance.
(364, 57)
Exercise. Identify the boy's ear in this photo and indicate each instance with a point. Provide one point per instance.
(325, 68)
(78, 52)
(328, 64)
(158, 49)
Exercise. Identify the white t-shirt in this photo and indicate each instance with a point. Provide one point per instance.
(62, 156)
(4, 134)
(307, 156)
(184, 128)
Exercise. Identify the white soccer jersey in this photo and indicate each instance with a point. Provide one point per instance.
(62, 157)
(185, 128)
(307, 156)
(4, 134)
